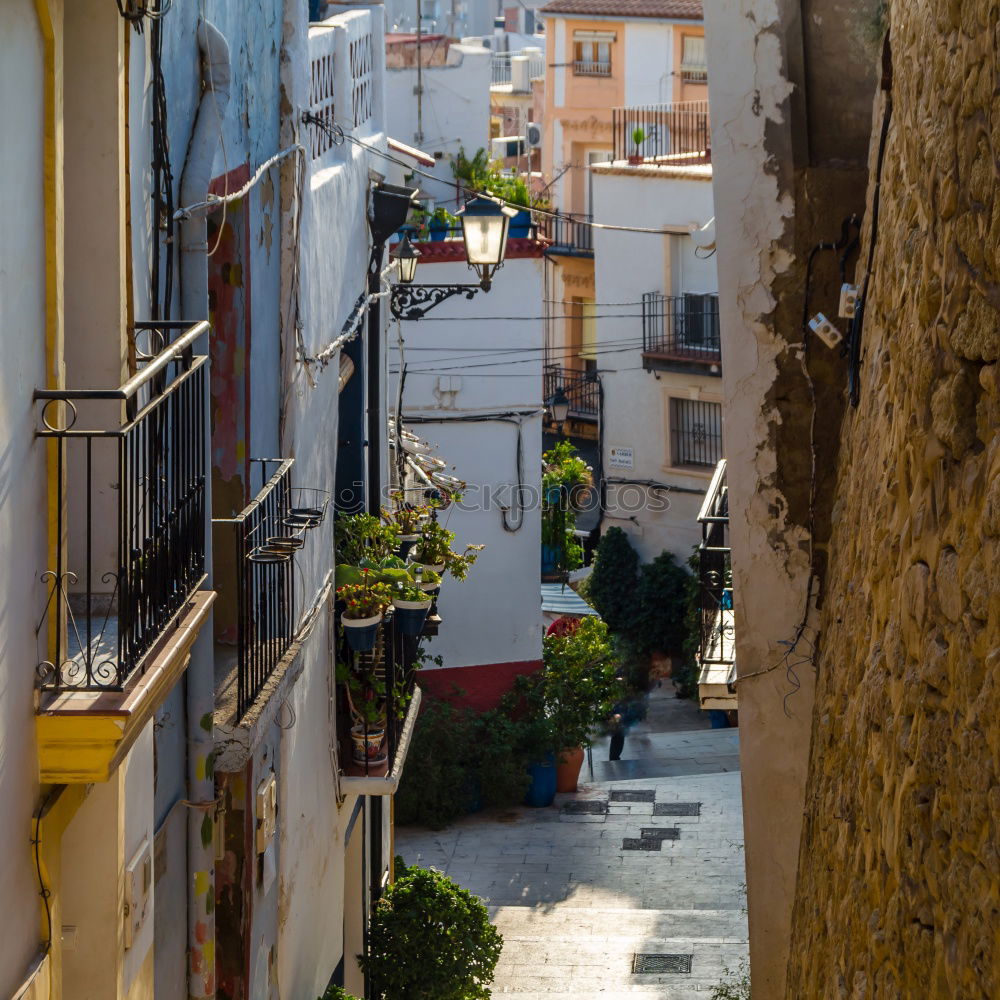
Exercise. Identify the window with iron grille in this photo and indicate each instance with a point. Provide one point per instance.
(695, 432)
(694, 65)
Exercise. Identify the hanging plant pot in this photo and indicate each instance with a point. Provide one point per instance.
(368, 748)
(433, 567)
(406, 542)
(431, 588)
(411, 615)
(361, 633)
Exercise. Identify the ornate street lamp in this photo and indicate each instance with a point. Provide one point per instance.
(485, 226)
(485, 223)
(406, 256)
(559, 407)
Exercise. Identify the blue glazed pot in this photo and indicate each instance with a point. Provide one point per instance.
(520, 225)
(438, 231)
(410, 619)
(550, 558)
(718, 718)
(542, 790)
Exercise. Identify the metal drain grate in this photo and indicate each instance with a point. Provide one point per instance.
(661, 964)
(661, 833)
(636, 795)
(677, 809)
(589, 808)
(642, 844)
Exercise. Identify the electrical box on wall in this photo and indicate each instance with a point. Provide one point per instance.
(266, 812)
(138, 892)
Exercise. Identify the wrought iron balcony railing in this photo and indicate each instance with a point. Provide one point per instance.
(569, 235)
(673, 134)
(377, 699)
(682, 328)
(588, 67)
(255, 565)
(715, 574)
(131, 509)
(581, 388)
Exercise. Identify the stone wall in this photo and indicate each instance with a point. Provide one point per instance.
(898, 892)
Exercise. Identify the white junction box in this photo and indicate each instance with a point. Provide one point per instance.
(848, 301)
(825, 330)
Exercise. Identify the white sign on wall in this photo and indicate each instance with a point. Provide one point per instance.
(620, 458)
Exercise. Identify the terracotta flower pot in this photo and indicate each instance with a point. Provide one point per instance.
(568, 769)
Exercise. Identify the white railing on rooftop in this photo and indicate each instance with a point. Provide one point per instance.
(517, 69)
(345, 82)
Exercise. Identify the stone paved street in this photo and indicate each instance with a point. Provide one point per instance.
(575, 906)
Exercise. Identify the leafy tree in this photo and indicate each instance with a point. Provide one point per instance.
(563, 474)
(613, 582)
(430, 939)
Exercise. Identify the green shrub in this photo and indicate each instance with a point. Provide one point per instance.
(614, 579)
(662, 603)
(337, 993)
(429, 939)
(438, 782)
(579, 682)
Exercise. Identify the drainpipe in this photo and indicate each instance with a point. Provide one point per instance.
(199, 677)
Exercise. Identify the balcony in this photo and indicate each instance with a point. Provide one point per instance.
(581, 388)
(255, 570)
(586, 67)
(681, 333)
(123, 605)
(675, 135)
(568, 235)
(514, 72)
(717, 649)
(377, 703)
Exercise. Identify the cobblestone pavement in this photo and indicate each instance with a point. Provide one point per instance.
(578, 895)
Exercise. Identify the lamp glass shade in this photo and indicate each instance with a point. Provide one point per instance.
(484, 227)
(559, 406)
(406, 256)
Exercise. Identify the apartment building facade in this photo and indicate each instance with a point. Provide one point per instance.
(197, 206)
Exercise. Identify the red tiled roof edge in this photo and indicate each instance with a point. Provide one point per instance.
(685, 9)
(453, 251)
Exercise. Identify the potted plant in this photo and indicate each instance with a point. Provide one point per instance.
(433, 552)
(365, 604)
(580, 685)
(364, 537)
(407, 519)
(440, 223)
(411, 605)
(638, 138)
(424, 913)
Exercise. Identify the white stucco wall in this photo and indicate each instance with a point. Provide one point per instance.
(22, 473)
(455, 113)
(495, 615)
(649, 57)
(636, 402)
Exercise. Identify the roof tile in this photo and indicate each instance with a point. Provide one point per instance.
(686, 9)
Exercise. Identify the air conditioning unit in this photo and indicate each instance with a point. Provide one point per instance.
(533, 135)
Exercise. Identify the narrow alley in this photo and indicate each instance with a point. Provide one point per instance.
(642, 868)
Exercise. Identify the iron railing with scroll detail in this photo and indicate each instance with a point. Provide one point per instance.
(715, 574)
(131, 508)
